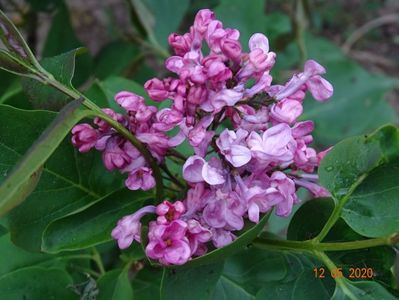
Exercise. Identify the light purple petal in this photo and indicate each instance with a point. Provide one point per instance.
(192, 169)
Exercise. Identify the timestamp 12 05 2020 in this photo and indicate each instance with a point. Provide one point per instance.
(352, 273)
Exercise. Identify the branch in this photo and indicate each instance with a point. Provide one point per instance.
(337, 210)
(311, 245)
(362, 30)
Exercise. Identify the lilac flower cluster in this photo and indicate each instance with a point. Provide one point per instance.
(234, 174)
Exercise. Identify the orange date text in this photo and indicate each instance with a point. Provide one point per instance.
(351, 273)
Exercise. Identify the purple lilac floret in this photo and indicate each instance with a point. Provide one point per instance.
(255, 167)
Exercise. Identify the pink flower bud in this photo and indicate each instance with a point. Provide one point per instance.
(128, 228)
(202, 20)
(114, 157)
(84, 137)
(167, 119)
(286, 111)
(181, 44)
(231, 48)
(259, 41)
(103, 126)
(218, 72)
(129, 101)
(197, 94)
(156, 89)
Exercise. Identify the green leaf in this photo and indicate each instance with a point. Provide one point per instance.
(249, 18)
(13, 40)
(19, 191)
(113, 84)
(25, 175)
(62, 67)
(306, 286)
(229, 290)
(160, 18)
(246, 272)
(304, 226)
(61, 37)
(11, 92)
(193, 283)
(115, 285)
(92, 225)
(299, 282)
(247, 235)
(373, 208)
(147, 283)
(358, 103)
(48, 284)
(368, 290)
(12, 89)
(103, 92)
(361, 173)
(3, 230)
(7, 79)
(350, 160)
(13, 64)
(69, 181)
(107, 65)
(13, 258)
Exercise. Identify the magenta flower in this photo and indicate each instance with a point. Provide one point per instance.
(114, 157)
(167, 119)
(231, 174)
(282, 193)
(197, 94)
(275, 144)
(196, 198)
(253, 120)
(315, 189)
(197, 236)
(212, 172)
(231, 48)
(196, 169)
(232, 145)
(156, 89)
(157, 143)
(181, 44)
(222, 237)
(192, 169)
(84, 137)
(286, 111)
(128, 228)
(168, 243)
(140, 178)
(129, 101)
(168, 212)
(104, 126)
(225, 211)
(320, 88)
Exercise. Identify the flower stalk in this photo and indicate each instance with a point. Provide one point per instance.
(312, 245)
